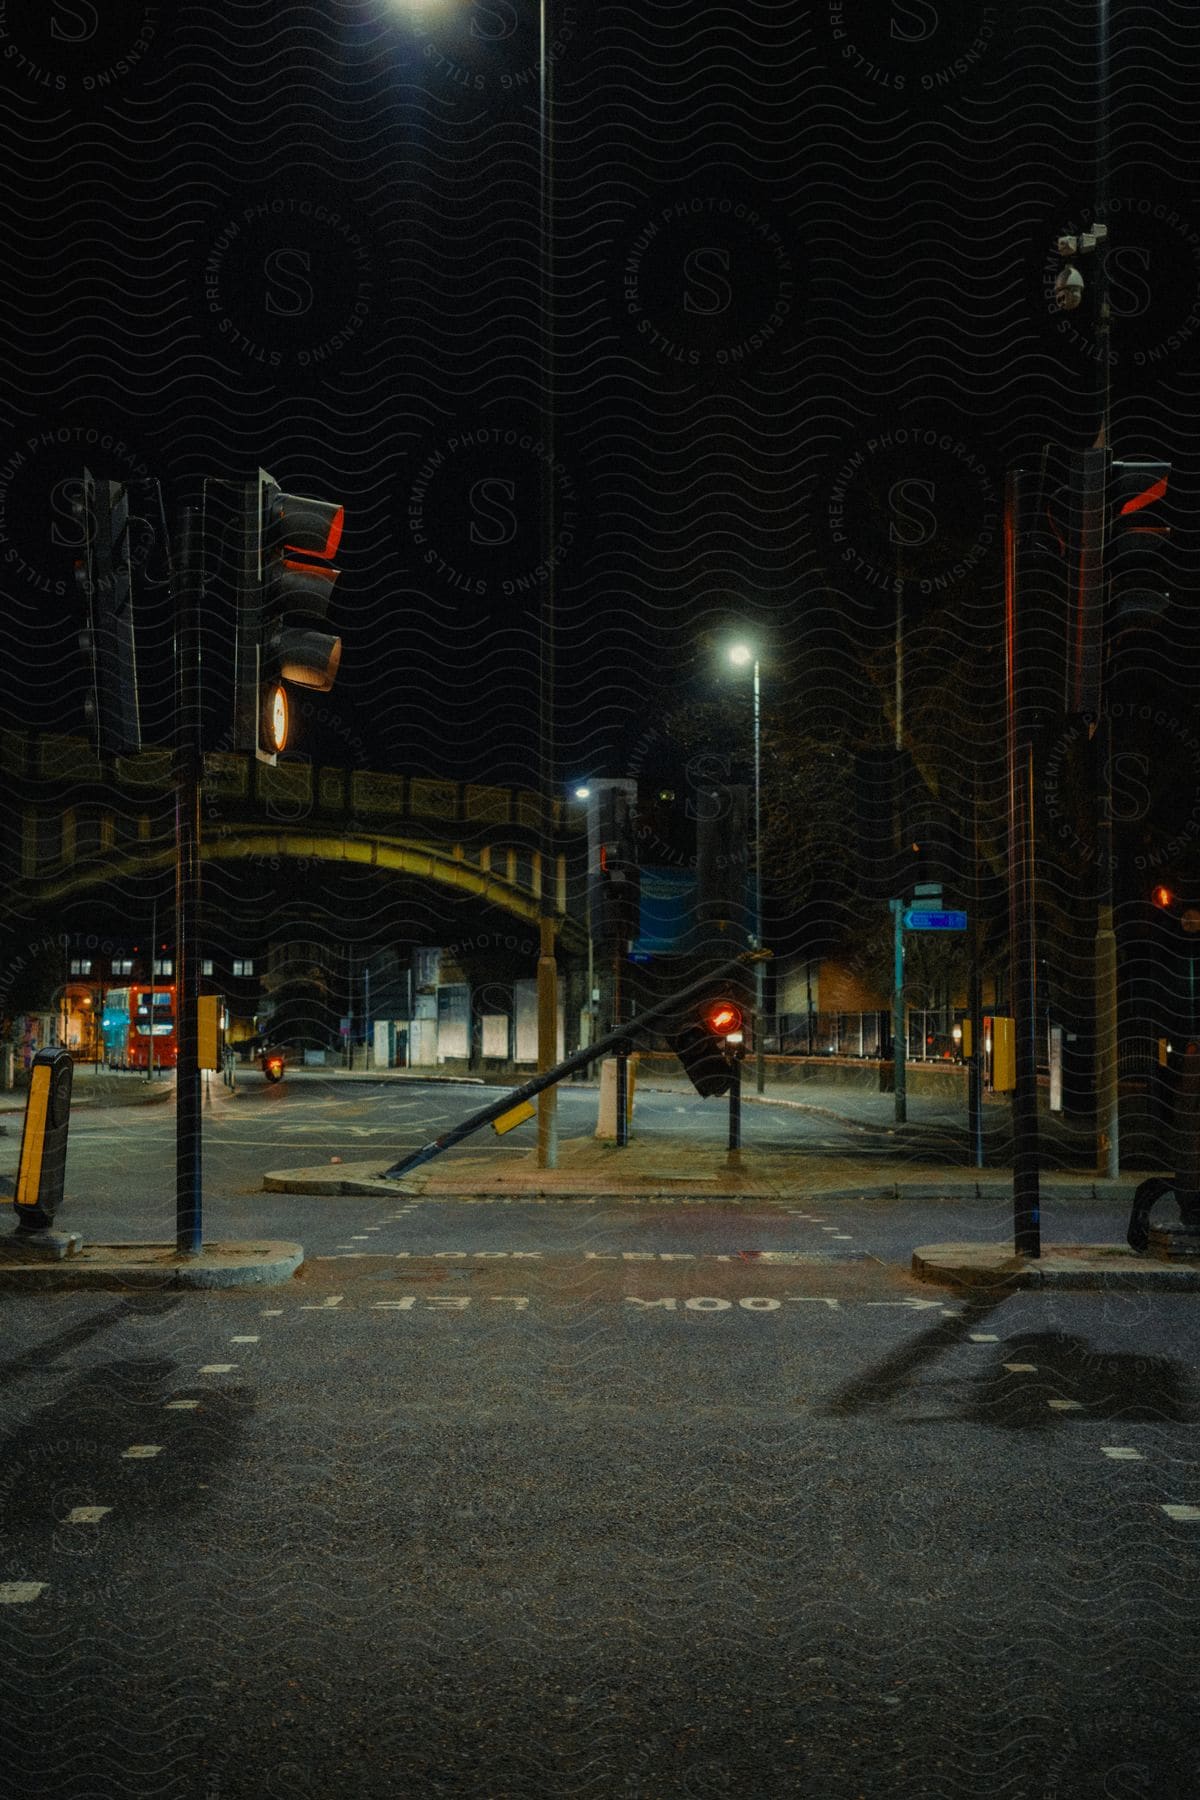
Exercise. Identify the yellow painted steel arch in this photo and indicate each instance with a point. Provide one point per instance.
(389, 855)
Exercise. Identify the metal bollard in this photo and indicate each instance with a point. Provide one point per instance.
(43, 1163)
(622, 1099)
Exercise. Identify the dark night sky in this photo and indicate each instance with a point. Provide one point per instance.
(800, 257)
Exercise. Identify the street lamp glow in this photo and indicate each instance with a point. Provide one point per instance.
(740, 654)
(583, 793)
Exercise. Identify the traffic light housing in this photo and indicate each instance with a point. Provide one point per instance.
(287, 580)
(105, 581)
(723, 861)
(708, 1045)
(1139, 535)
(615, 884)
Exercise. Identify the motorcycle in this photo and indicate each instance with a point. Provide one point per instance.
(272, 1064)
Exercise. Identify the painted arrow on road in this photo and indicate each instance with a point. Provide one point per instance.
(913, 1305)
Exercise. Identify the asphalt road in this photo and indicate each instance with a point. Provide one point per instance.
(507, 1500)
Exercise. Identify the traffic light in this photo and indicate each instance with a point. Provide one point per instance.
(1139, 535)
(1182, 907)
(105, 581)
(286, 585)
(615, 883)
(723, 861)
(708, 1044)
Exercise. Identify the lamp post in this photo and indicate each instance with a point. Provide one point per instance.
(585, 793)
(740, 655)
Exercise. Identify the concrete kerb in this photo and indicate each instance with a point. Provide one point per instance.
(155, 1266)
(365, 1178)
(997, 1270)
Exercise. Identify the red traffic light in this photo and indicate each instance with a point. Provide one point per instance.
(722, 1018)
(1162, 896)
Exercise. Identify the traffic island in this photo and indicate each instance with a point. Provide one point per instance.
(995, 1267)
(155, 1266)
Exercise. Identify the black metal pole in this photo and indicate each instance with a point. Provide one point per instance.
(1021, 919)
(188, 768)
(735, 1105)
(975, 1060)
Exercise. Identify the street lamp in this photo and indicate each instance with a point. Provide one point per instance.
(583, 792)
(739, 656)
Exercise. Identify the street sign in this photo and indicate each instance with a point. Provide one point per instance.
(918, 919)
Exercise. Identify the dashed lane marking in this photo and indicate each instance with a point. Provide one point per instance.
(1066, 1405)
(1122, 1453)
(983, 1337)
(86, 1515)
(182, 1405)
(139, 1452)
(217, 1368)
(1021, 1368)
(17, 1593)
(272, 1312)
(1186, 1515)
(245, 1340)
(333, 1300)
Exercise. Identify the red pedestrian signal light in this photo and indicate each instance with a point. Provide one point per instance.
(723, 1018)
(1162, 896)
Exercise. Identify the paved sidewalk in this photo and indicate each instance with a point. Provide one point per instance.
(156, 1266)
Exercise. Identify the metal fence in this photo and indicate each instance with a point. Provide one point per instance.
(867, 1035)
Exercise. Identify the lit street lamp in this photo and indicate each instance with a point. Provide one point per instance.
(583, 792)
(740, 655)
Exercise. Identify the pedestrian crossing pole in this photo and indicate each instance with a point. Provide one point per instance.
(188, 770)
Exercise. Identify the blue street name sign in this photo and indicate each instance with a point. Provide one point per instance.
(918, 919)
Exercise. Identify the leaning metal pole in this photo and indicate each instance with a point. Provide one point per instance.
(545, 1079)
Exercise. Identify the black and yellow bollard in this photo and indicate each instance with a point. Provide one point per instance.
(43, 1161)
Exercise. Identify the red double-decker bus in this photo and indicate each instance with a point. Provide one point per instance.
(132, 1018)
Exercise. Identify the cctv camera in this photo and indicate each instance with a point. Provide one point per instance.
(1068, 288)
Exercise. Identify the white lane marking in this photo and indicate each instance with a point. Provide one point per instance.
(138, 1452)
(217, 1368)
(180, 1405)
(16, 1593)
(914, 1303)
(1122, 1453)
(983, 1337)
(333, 1300)
(1066, 1405)
(272, 1312)
(86, 1515)
(1187, 1515)
(245, 1340)
(358, 1237)
(405, 1305)
(1021, 1368)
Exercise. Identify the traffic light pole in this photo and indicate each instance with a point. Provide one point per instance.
(188, 769)
(899, 1023)
(547, 969)
(975, 994)
(1022, 929)
(1108, 1110)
